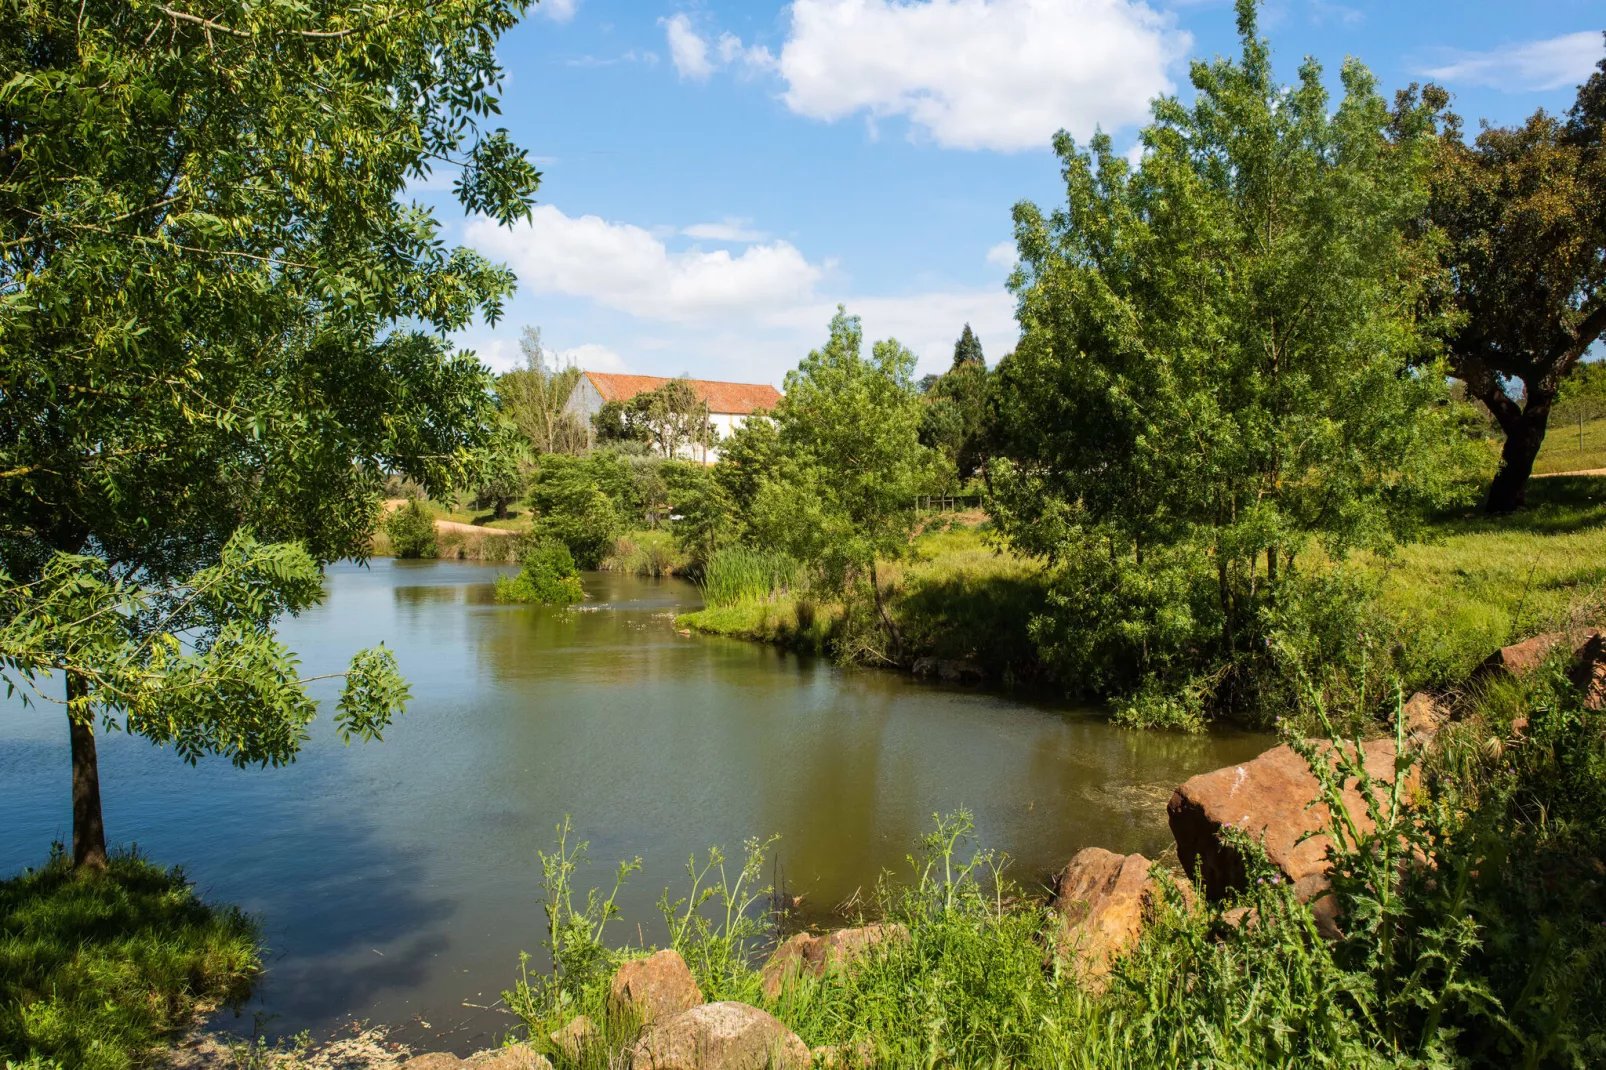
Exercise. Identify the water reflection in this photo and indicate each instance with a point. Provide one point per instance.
(399, 881)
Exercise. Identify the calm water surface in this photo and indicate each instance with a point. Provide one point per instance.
(397, 882)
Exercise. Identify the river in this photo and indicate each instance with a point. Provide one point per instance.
(397, 882)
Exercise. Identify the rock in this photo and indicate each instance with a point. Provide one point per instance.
(653, 987)
(720, 1036)
(1522, 658)
(512, 1057)
(1103, 900)
(802, 954)
(1275, 799)
(435, 1060)
(856, 1056)
(1423, 714)
(807, 955)
(1589, 674)
(924, 667)
(575, 1037)
(955, 672)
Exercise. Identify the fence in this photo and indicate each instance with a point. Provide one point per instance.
(946, 503)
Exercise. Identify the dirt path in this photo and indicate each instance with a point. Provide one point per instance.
(392, 504)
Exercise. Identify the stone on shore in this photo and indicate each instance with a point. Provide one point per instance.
(1103, 900)
(654, 987)
(573, 1039)
(512, 1057)
(805, 954)
(720, 1036)
(435, 1060)
(1276, 800)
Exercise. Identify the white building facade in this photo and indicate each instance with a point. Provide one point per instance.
(728, 404)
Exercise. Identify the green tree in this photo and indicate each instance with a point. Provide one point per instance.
(219, 313)
(411, 529)
(955, 417)
(850, 462)
(547, 576)
(1216, 364)
(1524, 213)
(672, 418)
(584, 503)
(535, 398)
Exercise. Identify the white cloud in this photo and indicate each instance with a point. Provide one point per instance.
(628, 268)
(996, 74)
(1003, 255)
(688, 50)
(592, 357)
(731, 229)
(558, 10)
(928, 323)
(1530, 65)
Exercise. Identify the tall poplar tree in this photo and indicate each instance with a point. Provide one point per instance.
(221, 325)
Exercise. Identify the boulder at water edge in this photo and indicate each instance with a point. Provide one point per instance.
(435, 1060)
(720, 1036)
(1275, 799)
(807, 955)
(573, 1039)
(1103, 901)
(512, 1057)
(653, 987)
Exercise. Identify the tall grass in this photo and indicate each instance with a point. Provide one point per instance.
(97, 968)
(741, 574)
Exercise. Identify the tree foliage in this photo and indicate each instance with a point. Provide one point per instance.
(411, 529)
(955, 419)
(1215, 365)
(1523, 211)
(218, 310)
(534, 398)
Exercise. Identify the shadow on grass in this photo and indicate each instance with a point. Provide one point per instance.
(1557, 505)
(981, 618)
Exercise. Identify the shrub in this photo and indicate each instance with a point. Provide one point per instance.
(97, 968)
(547, 577)
(412, 530)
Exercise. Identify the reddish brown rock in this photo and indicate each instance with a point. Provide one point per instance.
(435, 1060)
(512, 1057)
(807, 955)
(1103, 900)
(1423, 714)
(573, 1039)
(1522, 658)
(653, 987)
(1589, 674)
(720, 1036)
(1276, 800)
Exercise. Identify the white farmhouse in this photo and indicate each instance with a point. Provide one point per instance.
(728, 404)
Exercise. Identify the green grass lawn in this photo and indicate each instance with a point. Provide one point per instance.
(1476, 583)
(96, 969)
(1569, 448)
(461, 512)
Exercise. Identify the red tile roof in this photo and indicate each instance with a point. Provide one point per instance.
(742, 398)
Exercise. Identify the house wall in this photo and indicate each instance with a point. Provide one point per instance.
(585, 401)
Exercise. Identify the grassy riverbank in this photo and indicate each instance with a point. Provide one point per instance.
(97, 969)
(1458, 962)
(1470, 585)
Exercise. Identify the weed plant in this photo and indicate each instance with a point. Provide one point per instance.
(96, 969)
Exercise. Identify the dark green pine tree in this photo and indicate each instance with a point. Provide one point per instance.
(967, 351)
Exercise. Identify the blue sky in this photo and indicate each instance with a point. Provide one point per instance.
(719, 175)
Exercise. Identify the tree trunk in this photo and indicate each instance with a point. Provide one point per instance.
(1525, 433)
(886, 618)
(88, 830)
